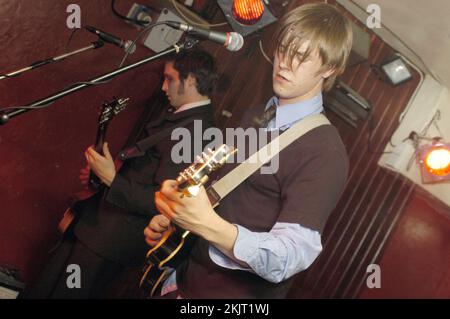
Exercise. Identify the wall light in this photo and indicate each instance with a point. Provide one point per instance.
(247, 12)
(246, 16)
(396, 70)
(434, 161)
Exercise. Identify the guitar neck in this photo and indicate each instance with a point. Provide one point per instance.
(100, 139)
(94, 181)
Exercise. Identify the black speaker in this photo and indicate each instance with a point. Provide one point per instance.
(346, 103)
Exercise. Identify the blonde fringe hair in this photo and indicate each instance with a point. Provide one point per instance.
(324, 28)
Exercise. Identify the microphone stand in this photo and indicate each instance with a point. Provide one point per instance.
(38, 64)
(189, 43)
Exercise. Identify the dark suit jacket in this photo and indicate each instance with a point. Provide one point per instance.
(112, 223)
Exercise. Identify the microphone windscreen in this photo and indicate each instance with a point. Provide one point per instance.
(236, 41)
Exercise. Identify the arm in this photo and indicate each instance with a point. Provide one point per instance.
(123, 192)
(289, 247)
(132, 195)
(275, 255)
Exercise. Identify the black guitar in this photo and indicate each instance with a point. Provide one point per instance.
(108, 111)
(167, 251)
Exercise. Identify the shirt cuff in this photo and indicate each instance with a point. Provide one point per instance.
(246, 246)
(224, 261)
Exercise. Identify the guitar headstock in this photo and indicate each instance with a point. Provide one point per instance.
(111, 109)
(196, 175)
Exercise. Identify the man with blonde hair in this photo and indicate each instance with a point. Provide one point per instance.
(269, 228)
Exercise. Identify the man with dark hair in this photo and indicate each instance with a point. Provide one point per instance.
(107, 234)
(269, 227)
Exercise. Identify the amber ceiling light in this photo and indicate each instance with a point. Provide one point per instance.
(248, 12)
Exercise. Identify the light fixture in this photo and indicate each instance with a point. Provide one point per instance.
(247, 12)
(434, 161)
(396, 70)
(246, 16)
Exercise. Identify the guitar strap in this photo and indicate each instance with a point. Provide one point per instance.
(143, 145)
(225, 185)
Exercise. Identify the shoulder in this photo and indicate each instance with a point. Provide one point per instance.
(319, 151)
(322, 140)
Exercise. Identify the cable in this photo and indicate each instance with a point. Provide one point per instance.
(264, 53)
(70, 38)
(402, 115)
(137, 38)
(139, 22)
(176, 6)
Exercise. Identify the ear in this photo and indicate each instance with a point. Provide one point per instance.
(327, 73)
(190, 81)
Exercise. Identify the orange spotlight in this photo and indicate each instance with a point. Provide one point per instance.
(248, 12)
(438, 161)
(435, 162)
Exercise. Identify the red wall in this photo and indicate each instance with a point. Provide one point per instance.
(416, 262)
(41, 151)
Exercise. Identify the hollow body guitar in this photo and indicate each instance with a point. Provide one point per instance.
(108, 111)
(168, 250)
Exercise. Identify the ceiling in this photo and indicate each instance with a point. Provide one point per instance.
(423, 26)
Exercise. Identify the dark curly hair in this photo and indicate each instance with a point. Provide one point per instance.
(200, 64)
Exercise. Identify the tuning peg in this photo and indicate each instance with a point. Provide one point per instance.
(199, 159)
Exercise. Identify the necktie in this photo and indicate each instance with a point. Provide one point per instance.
(266, 117)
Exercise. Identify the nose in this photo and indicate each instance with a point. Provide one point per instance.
(164, 86)
(281, 61)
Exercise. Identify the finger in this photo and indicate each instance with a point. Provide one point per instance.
(106, 151)
(148, 233)
(169, 189)
(90, 146)
(169, 184)
(93, 153)
(84, 175)
(89, 159)
(163, 207)
(163, 221)
(156, 226)
(151, 242)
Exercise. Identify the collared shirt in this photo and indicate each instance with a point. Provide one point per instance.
(289, 114)
(287, 248)
(188, 106)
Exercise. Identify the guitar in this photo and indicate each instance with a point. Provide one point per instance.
(168, 248)
(108, 111)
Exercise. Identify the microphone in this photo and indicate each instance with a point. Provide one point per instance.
(233, 41)
(112, 39)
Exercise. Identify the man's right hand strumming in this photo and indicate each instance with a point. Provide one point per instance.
(158, 225)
